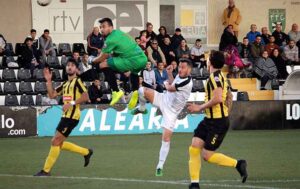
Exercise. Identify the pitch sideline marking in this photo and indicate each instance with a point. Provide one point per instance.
(204, 183)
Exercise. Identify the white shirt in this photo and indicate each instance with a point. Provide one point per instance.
(177, 100)
(196, 51)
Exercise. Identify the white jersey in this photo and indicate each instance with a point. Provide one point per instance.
(175, 101)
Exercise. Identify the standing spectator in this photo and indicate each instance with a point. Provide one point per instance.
(161, 76)
(253, 33)
(294, 34)
(257, 48)
(2, 45)
(162, 35)
(46, 45)
(155, 54)
(177, 38)
(168, 50)
(175, 68)
(291, 53)
(280, 64)
(265, 69)
(35, 39)
(183, 50)
(95, 92)
(232, 16)
(30, 56)
(150, 33)
(271, 45)
(197, 53)
(149, 77)
(228, 38)
(265, 35)
(281, 38)
(95, 42)
(143, 39)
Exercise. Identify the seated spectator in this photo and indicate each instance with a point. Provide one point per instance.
(233, 60)
(162, 35)
(265, 69)
(30, 56)
(46, 46)
(95, 42)
(271, 45)
(175, 68)
(291, 53)
(245, 52)
(95, 92)
(161, 76)
(76, 57)
(279, 63)
(228, 38)
(183, 50)
(2, 45)
(155, 54)
(138, 41)
(265, 35)
(294, 34)
(149, 77)
(84, 66)
(281, 38)
(143, 39)
(35, 39)
(177, 38)
(257, 48)
(168, 50)
(150, 33)
(253, 33)
(197, 54)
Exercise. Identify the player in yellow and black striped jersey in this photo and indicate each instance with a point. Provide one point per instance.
(209, 134)
(74, 93)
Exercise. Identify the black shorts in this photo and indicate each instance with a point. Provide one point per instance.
(66, 125)
(212, 132)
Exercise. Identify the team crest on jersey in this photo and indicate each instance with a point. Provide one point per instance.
(217, 79)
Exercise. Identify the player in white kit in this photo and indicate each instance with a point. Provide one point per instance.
(170, 103)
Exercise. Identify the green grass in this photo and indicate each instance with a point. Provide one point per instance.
(273, 158)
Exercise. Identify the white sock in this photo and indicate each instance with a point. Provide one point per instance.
(163, 154)
(141, 91)
(142, 102)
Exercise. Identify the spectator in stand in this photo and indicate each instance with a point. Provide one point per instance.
(84, 66)
(280, 64)
(294, 34)
(95, 92)
(175, 68)
(95, 42)
(35, 39)
(183, 50)
(265, 69)
(143, 39)
(30, 56)
(281, 38)
(155, 54)
(291, 53)
(232, 16)
(161, 76)
(177, 38)
(162, 35)
(150, 33)
(149, 77)
(265, 35)
(197, 54)
(2, 45)
(168, 50)
(271, 45)
(228, 38)
(257, 48)
(253, 33)
(245, 53)
(46, 46)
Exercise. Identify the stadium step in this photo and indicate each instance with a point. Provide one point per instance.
(261, 95)
(244, 84)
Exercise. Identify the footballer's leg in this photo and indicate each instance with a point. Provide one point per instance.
(164, 150)
(144, 95)
(134, 80)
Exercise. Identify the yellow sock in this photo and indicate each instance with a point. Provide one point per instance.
(194, 164)
(51, 159)
(74, 148)
(221, 159)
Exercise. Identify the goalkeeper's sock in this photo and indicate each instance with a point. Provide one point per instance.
(74, 148)
(51, 159)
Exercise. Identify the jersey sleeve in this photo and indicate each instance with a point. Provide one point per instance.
(183, 84)
(108, 46)
(81, 86)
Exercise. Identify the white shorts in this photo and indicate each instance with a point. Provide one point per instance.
(168, 117)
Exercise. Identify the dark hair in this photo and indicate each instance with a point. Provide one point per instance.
(136, 38)
(46, 31)
(28, 39)
(217, 59)
(271, 36)
(258, 36)
(160, 63)
(162, 27)
(245, 38)
(108, 20)
(198, 40)
(177, 30)
(230, 25)
(32, 30)
(186, 60)
(73, 61)
(149, 24)
(141, 32)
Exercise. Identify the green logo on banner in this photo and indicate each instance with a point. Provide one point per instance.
(277, 16)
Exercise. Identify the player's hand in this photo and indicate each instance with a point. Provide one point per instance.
(66, 107)
(169, 69)
(47, 74)
(192, 107)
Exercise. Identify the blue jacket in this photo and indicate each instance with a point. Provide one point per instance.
(252, 36)
(161, 78)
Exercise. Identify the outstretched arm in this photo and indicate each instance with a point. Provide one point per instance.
(51, 92)
(101, 58)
